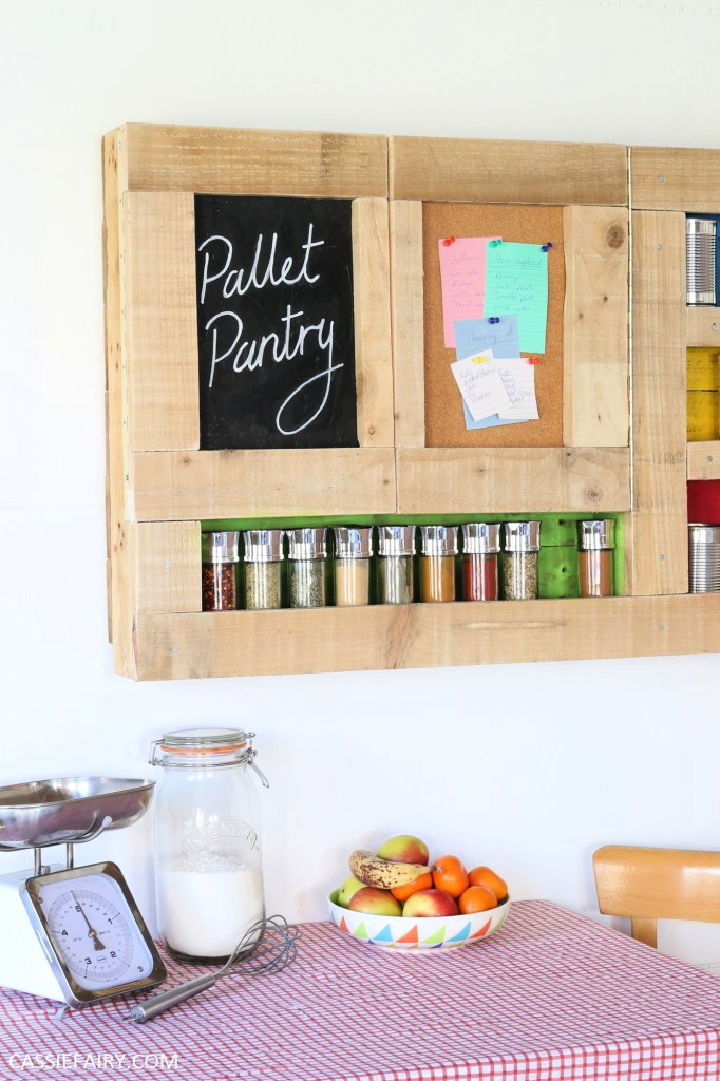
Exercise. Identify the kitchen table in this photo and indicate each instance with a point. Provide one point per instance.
(552, 996)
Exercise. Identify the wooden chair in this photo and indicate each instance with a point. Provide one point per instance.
(648, 884)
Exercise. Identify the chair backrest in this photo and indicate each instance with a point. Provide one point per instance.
(648, 884)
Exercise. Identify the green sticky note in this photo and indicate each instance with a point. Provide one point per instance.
(517, 284)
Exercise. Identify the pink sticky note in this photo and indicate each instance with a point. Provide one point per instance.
(462, 279)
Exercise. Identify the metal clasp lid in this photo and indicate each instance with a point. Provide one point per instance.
(185, 746)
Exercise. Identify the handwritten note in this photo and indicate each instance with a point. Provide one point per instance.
(476, 335)
(518, 379)
(462, 281)
(517, 282)
(480, 385)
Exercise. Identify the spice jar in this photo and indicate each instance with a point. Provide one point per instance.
(438, 548)
(220, 558)
(522, 544)
(396, 550)
(481, 544)
(596, 557)
(306, 567)
(353, 549)
(208, 864)
(263, 568)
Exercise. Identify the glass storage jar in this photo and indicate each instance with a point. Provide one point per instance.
(220, 558)
(353, 549)
(306, 567)
(396, 552)
(596, 557)
(208, 862)
(263, 568)
(438, 548)
(522, 544)
(481, 544)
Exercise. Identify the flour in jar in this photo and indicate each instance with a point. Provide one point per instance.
(208, 902)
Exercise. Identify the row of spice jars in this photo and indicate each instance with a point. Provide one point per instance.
(308, 568)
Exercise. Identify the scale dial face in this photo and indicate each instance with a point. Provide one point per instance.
(100, 940)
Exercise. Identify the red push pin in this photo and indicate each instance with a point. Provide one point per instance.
(534, 360)
(450, 240)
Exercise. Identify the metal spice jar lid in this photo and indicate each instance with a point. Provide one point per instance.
(306, 543)
(522, 536)
(481, 538)
(396, 540)
(438, 540)
(353, 542)
(221, 547)
(597, 534)
(263, 545)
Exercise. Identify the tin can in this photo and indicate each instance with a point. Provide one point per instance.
(703, 558)
(700, 246)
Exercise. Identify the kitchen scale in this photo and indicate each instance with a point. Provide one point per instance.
(72, 934)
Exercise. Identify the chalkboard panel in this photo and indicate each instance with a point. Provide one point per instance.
(276, 337)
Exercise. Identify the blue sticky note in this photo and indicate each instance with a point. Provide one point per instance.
(517, 282)
(477, 335)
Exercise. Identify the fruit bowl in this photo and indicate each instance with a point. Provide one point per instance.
(418, 932)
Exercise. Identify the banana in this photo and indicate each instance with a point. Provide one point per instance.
(383, 874)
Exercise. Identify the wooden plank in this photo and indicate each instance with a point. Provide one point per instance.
(675, 178)
(596, 375)
(507, 171)
(120, 536)
(703, 460)
(373, 341)
(703, 325)
(505, 480)
(424, 635)
(657, 533)
(407, 322)
(247, 483)
(160, 314)
(236, 161)
(169, 567)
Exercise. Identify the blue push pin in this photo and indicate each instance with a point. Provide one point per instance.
(494, 319)
(546, 247)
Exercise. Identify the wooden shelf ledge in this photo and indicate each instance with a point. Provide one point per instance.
(204, 645)
(703, 460)
(703, 325)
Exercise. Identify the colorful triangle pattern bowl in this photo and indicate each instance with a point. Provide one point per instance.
(418, 932)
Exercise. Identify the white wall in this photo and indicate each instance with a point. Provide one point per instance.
(527, 768)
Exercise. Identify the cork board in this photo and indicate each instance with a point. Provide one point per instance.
(444, 419)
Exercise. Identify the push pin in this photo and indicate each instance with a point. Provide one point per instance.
(546, 247)
(495, 243)
(480, 360)
(450, 240)
(494, 319)
(534, 360)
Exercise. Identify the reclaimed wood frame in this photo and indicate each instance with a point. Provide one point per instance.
(161, 486)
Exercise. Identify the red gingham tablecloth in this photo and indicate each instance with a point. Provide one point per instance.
(551, 997)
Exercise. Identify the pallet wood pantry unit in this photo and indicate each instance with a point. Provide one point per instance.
(192, 221)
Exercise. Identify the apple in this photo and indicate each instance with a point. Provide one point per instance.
(349, 887)
(378, 902)
(430, 903)
(405, 849)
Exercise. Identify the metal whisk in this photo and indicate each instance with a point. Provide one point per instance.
(267, 946)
